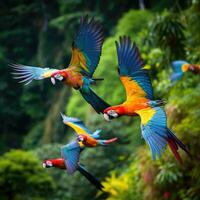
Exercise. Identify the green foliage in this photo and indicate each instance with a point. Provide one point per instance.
(22, 177)
(168, 33)
(133, 22)
(41, 34)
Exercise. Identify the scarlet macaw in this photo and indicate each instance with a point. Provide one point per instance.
(180, 67)
(85, 137)
(86, 52)
(140, 101)
(70, 161)
(71, 152)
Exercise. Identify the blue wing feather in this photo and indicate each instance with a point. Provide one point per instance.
(131, 64)
(70, 153)
(155, 132)
(89, 40)
(157, 135)
(29, 73)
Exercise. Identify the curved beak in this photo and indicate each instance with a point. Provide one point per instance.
(53, 80)
(106, 117)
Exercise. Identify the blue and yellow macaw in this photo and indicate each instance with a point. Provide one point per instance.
(70, 162)
(85, 137)
(86, 52)
(140, 101)
(180, 67)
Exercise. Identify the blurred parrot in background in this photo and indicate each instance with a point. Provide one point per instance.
(86, 52)
(140, 101)
(70, 161)
(85, 137)
(180, 67)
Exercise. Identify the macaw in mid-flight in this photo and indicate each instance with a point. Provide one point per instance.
(140, 101)
(180, 67)
(71, 152)
(85, 137)
(70, 162)
(86, 52)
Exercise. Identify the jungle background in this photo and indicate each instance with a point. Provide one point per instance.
(40, 33)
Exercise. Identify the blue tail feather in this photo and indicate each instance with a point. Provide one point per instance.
(90, 177)
(93, 99)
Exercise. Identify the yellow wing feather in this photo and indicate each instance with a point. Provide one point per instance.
(78, 129)
(132, 88)
(146, 115)
(78, 60)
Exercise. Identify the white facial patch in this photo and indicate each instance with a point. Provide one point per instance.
(112, 113)
(106, 117)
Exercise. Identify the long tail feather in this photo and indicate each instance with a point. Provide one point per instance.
(174, 143)
(94, 100)
(90, 177)
(174, 148)
(106, 142)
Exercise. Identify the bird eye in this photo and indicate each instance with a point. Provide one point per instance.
(111, 112)
(80, 138)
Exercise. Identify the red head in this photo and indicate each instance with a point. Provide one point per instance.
(113, 112)
(59, 163)
(59, 75)
(82, 138)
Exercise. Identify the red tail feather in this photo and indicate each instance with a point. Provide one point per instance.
(110, 140)
(174, 148)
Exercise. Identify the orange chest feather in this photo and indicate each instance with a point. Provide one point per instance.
(90, 142)
(132, 106)
(74, 79)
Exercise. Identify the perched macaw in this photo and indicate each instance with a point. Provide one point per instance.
(86, 52)
(180, 67)
(70, 161)
(140, 101)
(85, 137)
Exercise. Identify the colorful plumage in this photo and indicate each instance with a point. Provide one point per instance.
(86, 52)
(180, 67)
(140, 101)
(85, 137)
(72, 150)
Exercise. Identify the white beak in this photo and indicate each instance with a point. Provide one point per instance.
(53, 80)
(44, 165)
(106, 117)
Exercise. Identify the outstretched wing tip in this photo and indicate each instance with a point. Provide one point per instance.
(87, 45)
(71, 153)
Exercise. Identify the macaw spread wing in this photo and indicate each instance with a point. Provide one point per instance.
(71, 153)
(76, 124)
(154, 129)
(86, 47)
(28, 73)
(133, 76)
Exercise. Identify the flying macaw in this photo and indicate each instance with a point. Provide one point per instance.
(85, 137)
(140, 102)
(86, 52)
(70, 161)
(71, 152)
(180, 67)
